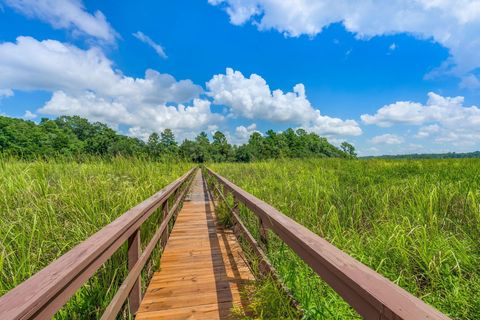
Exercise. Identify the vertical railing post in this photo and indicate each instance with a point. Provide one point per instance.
(134, 251)
(225, 194)
(166, 232)
(176, 195)
(237, 211)
(263, 233)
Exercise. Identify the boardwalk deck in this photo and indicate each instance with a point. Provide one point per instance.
(202, 268)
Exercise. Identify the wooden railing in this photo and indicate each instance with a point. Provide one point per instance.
(369, 293)
(42, 295)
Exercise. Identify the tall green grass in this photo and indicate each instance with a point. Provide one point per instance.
(415, 222)
(47, 207)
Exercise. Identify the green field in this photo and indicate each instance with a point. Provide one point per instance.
(417, 222)
(49, 207)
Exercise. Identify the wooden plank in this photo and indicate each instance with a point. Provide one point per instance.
(202, 269)
(134, 251)
(201, 312)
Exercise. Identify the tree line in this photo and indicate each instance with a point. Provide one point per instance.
(73, 136)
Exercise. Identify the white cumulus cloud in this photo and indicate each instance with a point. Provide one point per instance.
(427, 131)
(400, 112)
(243, 133)
(252, 98)
(85, 83)
(387, 138)
(141, 118)
(147, 40)
(67, 14)
(29, 115)
(444, 119)
(444, 110)
(455, 24)
(29, 64)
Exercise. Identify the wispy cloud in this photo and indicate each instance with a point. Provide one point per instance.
(387, 138)
(67, 14)
(146, 39)
(5, 93)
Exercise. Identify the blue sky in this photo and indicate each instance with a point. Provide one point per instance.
(358, 71)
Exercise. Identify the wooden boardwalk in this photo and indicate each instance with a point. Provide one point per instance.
(202, 268)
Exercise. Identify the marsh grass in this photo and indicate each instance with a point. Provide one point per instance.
(47, 207)
(415, 222)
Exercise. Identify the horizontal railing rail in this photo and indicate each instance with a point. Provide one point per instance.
(43, 294)
(369, 293)
(260, 262)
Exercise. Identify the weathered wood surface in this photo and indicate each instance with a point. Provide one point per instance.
(202, 268)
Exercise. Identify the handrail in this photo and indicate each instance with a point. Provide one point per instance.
(44, 293)
(264, 266)
(369, 293)
(116, 304)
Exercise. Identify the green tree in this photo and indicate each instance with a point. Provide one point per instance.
(168, 144)
(126, 146)
(101, 139)
(20, 138)
(188, 149)
(73, 135)
(275, 145)
(348, 149)
(202, 150)
(221, 150)
(56, 140)
(79, 126)
(256, 146)
(153, 145)
(243, 154)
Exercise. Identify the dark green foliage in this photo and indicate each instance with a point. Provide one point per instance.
(221, 150)
(202, 153)
(168, 144)
(153, 145)
(27, 139)
(188, 149)
(348, 149)
(288, 144)
(77, 137)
